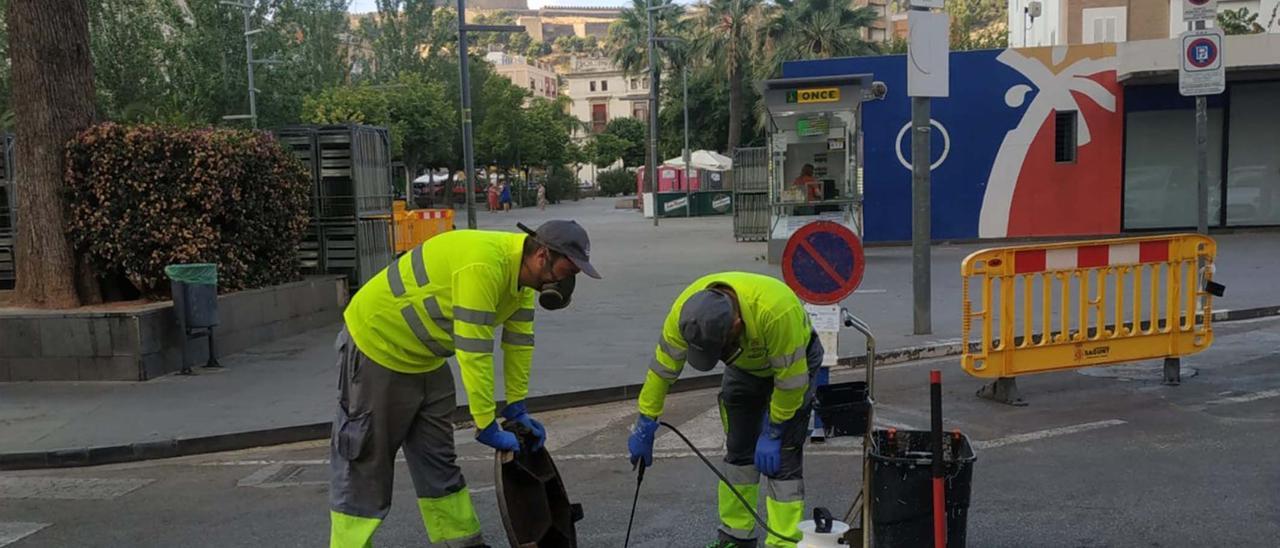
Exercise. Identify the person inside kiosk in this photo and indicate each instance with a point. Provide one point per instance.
(811, 186)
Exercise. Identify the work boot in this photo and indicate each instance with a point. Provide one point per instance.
(726, 541)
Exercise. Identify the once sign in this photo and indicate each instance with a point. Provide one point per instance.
(814, 95)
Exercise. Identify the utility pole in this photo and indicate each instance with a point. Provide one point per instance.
(464, 79)
(247, 10)
(651, 163)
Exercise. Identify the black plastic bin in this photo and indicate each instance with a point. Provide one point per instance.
(842, 407)
(902, 488)
(195, 304)
(195, 293)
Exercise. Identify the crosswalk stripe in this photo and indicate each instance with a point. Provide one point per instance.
(705, 431)
(67, 488)
(14, 531)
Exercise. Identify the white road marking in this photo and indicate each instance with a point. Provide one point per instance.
(586, 422)
(261, 475)
(484, 489)
(67, 488)
(706, 431)
(846, 446)
(14, 531)
(1245, 398)
(1049, 433)
(870, 291)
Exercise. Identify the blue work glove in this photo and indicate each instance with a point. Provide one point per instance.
(641, 441)
(494, 436)
(769, 449)
(518, 413)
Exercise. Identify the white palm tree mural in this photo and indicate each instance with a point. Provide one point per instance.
(1053, 92)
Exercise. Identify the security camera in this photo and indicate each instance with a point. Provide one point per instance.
(879, 90)
(1033, 10)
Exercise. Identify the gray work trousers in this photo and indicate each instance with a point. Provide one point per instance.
(744, 402)
(380, 411)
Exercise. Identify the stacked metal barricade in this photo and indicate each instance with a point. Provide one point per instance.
(351, 230)
(751, 194)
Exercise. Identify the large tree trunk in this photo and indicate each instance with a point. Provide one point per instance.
(735, 109)
(52, 100)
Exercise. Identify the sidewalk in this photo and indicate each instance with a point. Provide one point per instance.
(285, 390)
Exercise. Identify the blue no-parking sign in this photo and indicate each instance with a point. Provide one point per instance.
(823, 262)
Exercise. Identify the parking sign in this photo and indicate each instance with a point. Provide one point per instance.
(1201, 71)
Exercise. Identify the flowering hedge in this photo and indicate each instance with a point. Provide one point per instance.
(143, 197)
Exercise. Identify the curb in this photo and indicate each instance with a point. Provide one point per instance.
(181, 447)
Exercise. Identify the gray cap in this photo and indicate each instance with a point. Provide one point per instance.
(705, 322)
(567, 238)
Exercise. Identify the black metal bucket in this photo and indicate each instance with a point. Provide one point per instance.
(842, 407)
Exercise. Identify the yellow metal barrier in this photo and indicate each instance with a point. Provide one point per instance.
(418, 225)
(1049, 307)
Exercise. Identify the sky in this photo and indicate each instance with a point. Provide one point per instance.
(362, 6)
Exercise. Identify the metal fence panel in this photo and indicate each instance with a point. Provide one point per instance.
(751, 216)
(375, 249)
(751, 169)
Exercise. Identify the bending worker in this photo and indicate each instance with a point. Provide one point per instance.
(447, 296)
(757, 326)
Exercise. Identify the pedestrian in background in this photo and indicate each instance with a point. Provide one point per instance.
(493, 196)
(542, 196)
(506, 197)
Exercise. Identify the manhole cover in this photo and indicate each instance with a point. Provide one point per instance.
(1153, 372)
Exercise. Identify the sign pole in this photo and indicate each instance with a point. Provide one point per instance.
(1201, 73)
(921, 244)
(928, 76)
(1202, 166)
(1202, 157)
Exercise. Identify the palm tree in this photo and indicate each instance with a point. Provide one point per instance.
(818, 29)
(626, 44)
(725, 38)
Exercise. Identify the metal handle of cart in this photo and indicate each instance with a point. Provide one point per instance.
(860, 503)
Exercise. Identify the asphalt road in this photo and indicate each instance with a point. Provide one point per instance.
(1099, 458)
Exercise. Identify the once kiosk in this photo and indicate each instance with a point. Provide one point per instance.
(815, 146)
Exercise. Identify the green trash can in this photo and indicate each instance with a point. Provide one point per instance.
(195, 304)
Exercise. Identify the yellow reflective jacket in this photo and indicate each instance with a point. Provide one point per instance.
(774, 342)
(448, 296)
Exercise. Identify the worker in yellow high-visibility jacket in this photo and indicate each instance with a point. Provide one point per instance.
(447, 296)
(757, 326)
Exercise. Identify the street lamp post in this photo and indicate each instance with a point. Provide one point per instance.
(688, 210)
(468, 152)
(651, 165)
(651, 162)
(246, 10)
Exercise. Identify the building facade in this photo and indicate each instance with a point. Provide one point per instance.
(1072, 141)
(1068, 22)
(539, 78)
(601, 92)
